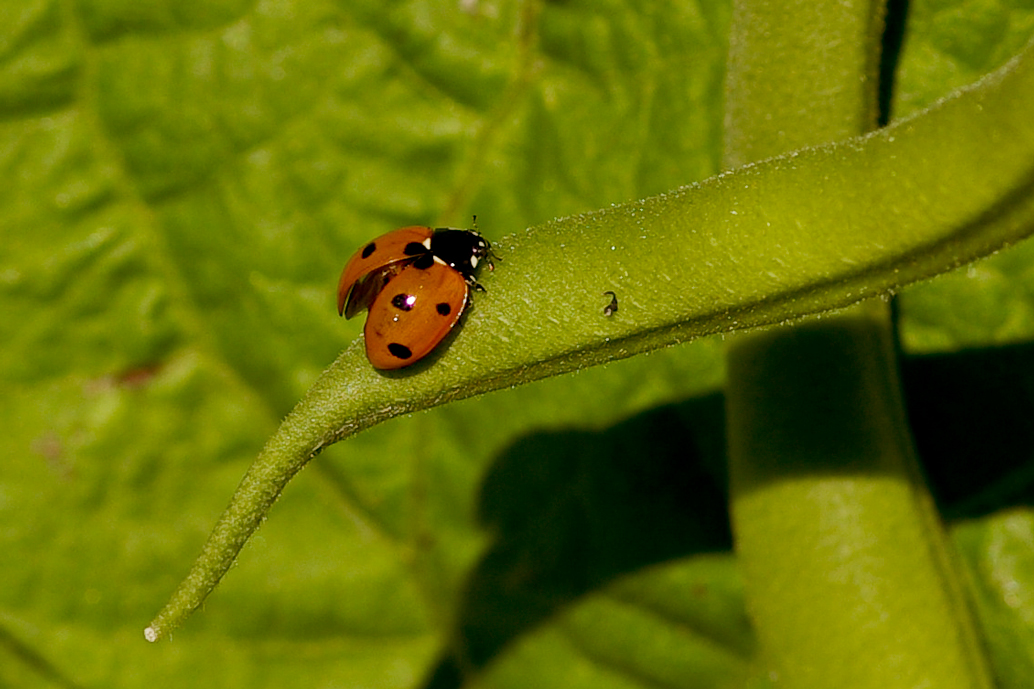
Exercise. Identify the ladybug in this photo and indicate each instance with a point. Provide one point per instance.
(416, 283)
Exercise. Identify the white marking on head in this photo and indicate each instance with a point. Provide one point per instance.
(427, 243)
(474, 261)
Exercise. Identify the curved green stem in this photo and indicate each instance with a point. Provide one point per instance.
(742, 249)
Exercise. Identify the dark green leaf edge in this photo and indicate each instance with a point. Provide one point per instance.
(742, 249)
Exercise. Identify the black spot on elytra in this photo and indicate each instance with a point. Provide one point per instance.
(369, 249)
(443, 309)
(399, 351)
(415, 249)
(424, 262)
(402, 302)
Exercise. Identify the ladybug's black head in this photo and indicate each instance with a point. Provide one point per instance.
(460, 249)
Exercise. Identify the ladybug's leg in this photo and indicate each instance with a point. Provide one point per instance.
(492, 256)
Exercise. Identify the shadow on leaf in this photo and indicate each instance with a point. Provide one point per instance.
(972, 416)
(573, 510)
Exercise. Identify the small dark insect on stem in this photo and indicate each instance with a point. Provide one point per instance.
(611, 308)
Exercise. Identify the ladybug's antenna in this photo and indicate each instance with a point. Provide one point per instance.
(474, 222)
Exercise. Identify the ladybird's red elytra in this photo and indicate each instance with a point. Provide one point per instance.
(371, 267)
(413, 313)
(416, 283)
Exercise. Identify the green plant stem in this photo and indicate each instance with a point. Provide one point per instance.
(849, 576)
(799, 74)
(819, 229)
